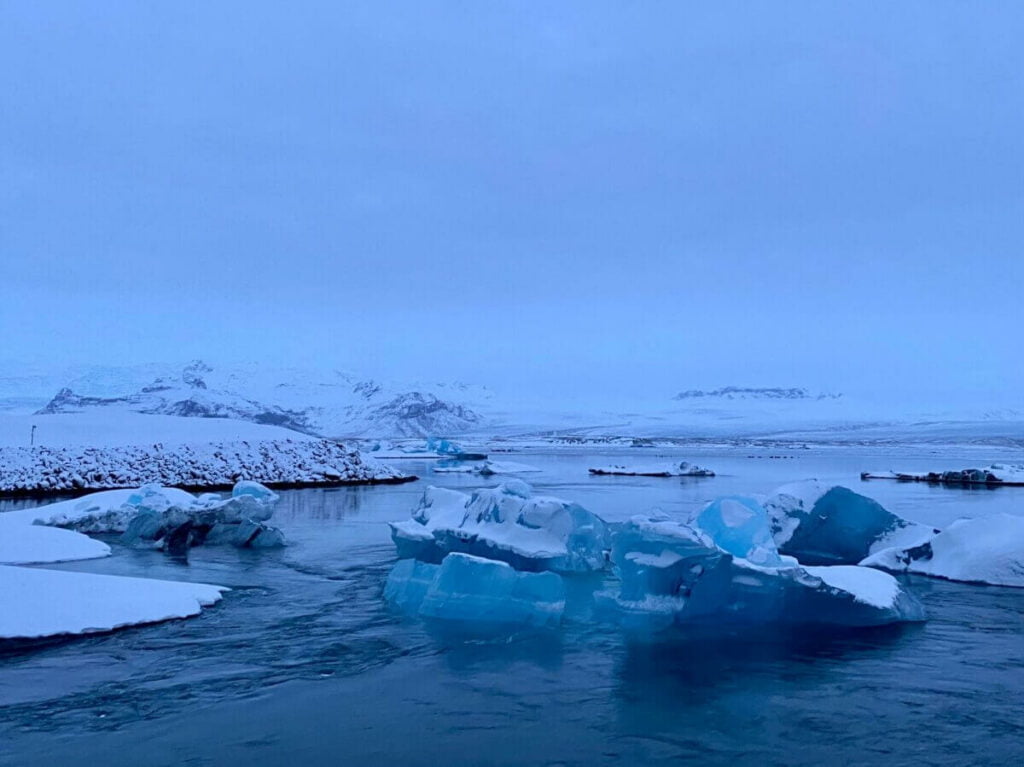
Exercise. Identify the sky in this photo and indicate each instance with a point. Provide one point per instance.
(611, 196)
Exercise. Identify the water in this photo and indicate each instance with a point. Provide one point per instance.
(303, 663)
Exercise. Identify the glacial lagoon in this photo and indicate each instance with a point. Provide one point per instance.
(304, 663)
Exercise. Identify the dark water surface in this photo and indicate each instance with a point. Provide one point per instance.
(303, 664)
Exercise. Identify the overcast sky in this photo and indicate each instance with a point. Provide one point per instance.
(662, 195)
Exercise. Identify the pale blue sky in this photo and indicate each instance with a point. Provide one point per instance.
(594, 194)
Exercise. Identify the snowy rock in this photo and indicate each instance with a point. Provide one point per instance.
(682, 469)
(469, 589)
(823, 525)
(679, 574)
(48, 603)
(984, 550)
(43, 469)
(506, 523)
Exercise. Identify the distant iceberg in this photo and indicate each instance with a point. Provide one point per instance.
(470, 589)
(832, 525)
(486, 469)
(506, 523)
(681, 469)
(991, 476)
(985, 550)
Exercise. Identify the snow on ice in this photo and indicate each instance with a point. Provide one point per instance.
(681, 469)
(48, 603)
(984, 550)
(506, 523)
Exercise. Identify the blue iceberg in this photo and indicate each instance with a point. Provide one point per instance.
(723, 568)
(506, 523)
(832, 525)
(468, 589)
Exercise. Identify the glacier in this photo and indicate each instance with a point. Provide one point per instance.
(832, 525)
(986, 550)
(470, 589)
(506, 523)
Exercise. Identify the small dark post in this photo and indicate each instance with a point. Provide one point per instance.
(32, 441)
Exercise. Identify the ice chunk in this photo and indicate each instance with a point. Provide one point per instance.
(984, 550)
(22, 544)
(739, 526)
(832, 525)
(45, 603)
(465, 588)
(506, 523)
(486, 469)
(673, 573)
(681, 469)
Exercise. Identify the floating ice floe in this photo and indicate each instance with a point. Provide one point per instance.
(469, 589)
(997, 474)
(506, 523)
(984, 550)
(47, 603)
(723, 568)
(832, 525)
(24, 544)
(682, 469)
(487, 468)
(44, 469)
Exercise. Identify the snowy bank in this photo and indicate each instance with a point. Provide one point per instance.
(214, 465)
(49, 603)
(27, 544)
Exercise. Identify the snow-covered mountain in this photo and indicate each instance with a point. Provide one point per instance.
(333, 404)
(344, 405)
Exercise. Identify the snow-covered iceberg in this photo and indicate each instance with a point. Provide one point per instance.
(983, 550)
(991, 476)
(723, 568)
(48, 603)
(299, 462)
(469, 589)
(506, 523)
(163, 517)
(821, 524)
(24, 544)
(681, 469)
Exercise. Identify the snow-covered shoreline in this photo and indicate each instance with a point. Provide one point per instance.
(278, 463)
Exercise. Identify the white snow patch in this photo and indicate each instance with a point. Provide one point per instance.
(869, 587)
(45, 603)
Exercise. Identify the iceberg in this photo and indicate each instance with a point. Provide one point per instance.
(164, 517)
(1008, 475)
(469, 589)
(681, 469)
(48, 603)
(832, 525)
(723, 568)
(506, 523)
(984, 550)
(487, 468)
(22, 544)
